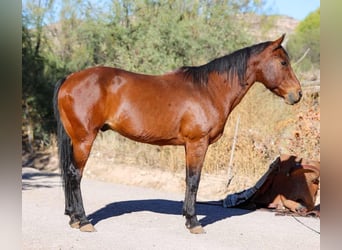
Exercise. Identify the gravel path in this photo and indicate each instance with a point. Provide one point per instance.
(129, 217)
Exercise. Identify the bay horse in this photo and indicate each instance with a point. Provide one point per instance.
(188, 106)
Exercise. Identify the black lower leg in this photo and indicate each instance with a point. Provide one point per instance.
(68, 193)
(79, 210)
(78, 202)
(189, 211)
(73, 198)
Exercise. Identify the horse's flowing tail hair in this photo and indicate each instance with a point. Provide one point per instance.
(63, 142)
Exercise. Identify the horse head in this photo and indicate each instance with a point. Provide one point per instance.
(275, 72)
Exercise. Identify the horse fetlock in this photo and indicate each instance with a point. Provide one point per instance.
(194, 226)
(74, 224)
(191, 222)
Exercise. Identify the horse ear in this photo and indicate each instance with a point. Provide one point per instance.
(277, 43)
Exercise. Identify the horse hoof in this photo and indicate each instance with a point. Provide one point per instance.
(87, 228)
(75, 224)
(197, 230)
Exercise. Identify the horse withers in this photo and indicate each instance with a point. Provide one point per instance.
(188, 107)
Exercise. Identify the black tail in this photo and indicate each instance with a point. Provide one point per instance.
(63, 140)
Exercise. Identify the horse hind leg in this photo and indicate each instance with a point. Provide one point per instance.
(70, 174)
(71, 182)
(81, 151)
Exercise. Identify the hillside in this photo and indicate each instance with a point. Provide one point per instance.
(268, 27)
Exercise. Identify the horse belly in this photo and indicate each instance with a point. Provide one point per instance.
(154, 126)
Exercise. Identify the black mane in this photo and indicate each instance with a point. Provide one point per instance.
(235, 62)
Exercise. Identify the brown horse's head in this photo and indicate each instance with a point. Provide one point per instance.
(275, 72)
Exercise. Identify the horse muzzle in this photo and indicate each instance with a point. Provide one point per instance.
(293, 97)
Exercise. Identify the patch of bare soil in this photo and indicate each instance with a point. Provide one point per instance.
(212, 186)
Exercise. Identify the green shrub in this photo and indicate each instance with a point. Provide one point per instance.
(306, 36)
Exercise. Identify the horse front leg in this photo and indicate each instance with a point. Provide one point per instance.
(195, 153)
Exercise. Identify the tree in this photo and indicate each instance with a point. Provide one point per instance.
(306, 36)
(35, 88)
(144, 36)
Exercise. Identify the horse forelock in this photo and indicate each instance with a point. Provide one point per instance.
(231, 64)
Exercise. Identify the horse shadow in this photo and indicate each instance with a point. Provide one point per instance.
(211, 213)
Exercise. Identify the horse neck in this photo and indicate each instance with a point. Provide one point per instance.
(249, 79)
(229, 93)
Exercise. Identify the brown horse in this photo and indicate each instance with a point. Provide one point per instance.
(188, 107)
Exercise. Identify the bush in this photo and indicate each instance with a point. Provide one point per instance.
(306, 36)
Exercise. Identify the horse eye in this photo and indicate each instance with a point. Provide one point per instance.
(284, 63)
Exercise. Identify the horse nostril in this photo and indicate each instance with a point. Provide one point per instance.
(300, 93)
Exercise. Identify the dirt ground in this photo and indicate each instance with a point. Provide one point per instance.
(131, 217)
